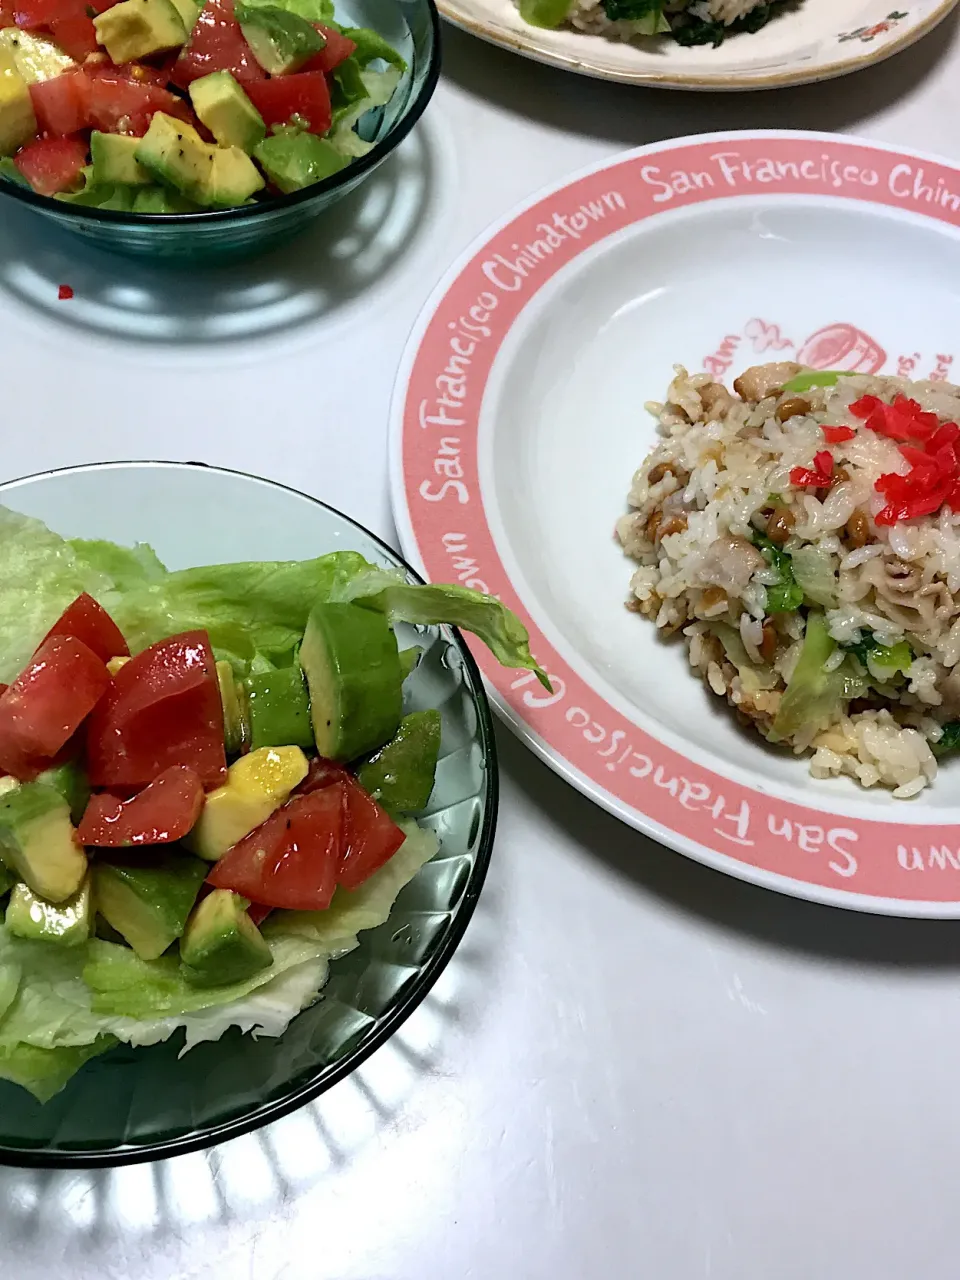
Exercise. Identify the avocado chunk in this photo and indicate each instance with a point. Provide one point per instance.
(36, 55)
(221, 944)
(71, 782)
(278, 709)
(281, 41)
(400, 776)
(256, 784)
(189, 11)
(349, 656)
(18, 124)
(68, 924)
(214, 177)
(137, 28)
(293, 160)
(38, 842)
(148, 902)
(226, 110)
(234, 720)
(115, 664)
(114, 157)
(234, 178)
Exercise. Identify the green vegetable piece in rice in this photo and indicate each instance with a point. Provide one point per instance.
(688, 29)
(817, 378)
(785, 596)
(646, 14)
(815, 696)
(882, 661)
(949, 740)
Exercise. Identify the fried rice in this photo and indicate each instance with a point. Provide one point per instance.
(802, 541)
(688, 21)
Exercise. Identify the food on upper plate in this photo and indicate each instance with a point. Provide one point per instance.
(170, 106)
(801, 534)
(209, 784)
(689, 22)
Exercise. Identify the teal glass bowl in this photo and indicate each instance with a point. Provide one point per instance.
(144, 1104)
(411, 26)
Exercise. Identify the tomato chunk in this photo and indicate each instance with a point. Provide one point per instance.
(76, 35)
(165, 811)
(60, 104)
(337, 49)
(292, 859)
(216, 44)
(370, 836)
(52, 164)
(321, 773)
(118, 104)
(47, 702)
(32, 14)
(258, 913)
(88, 621)
(162, 708)
(305, 94)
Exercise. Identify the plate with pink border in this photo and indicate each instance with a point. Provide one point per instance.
(518, 421)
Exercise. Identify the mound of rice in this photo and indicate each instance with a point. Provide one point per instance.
(689, 21)
(756, 536)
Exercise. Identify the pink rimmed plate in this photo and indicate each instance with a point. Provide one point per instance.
(518, 421)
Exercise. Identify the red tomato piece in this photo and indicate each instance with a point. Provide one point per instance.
(52, 164)
(370, 836)
(337, 49)
(76, 35)
(163, 812)
(48, 701)
(305, 94)
(60, 104)
(31, 14)
(216, 44)
(162, 708)
(88, 621)
(292, 859)
(118, 104)
(321, 773)
(258, 913)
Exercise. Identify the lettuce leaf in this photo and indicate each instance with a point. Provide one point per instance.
(44, 1072)
(492, 622)
(40, 575)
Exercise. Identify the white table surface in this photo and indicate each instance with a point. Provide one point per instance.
(633, 1067)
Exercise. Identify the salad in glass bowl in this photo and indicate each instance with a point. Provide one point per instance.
(177, 106)
(209, 786)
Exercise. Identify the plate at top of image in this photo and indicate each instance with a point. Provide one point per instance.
(519, 421)
(806, 41)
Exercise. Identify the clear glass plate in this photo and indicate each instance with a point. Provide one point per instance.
(140, 1104)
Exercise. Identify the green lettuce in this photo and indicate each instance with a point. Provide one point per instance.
(388, 592)
(44, 1072)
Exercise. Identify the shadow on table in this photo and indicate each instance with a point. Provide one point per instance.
(634, 116)
(142, 1219)
(347, 251)
(684, 885)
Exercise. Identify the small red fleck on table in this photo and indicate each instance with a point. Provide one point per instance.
(64, 292)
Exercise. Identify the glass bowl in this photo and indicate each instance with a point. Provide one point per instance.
(411, 26)
(143, 1104)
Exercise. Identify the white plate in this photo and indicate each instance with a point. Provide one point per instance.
(819, 40)
(518, 422)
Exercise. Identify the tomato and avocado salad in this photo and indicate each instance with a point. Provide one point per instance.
(209, 783)
(177, 106)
